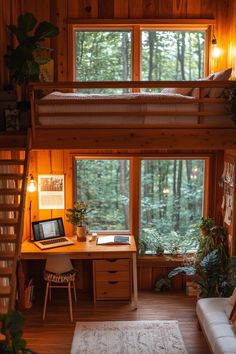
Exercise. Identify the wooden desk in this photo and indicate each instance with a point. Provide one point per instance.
(89, 250)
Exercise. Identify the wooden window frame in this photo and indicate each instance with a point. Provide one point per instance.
(135, 179)
(136, 28)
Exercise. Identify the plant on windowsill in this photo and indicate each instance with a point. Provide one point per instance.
(11, 326)
(77, 216)
(205, 225)
(212, 267)
(23, 61)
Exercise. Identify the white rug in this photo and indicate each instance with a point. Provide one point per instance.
(128, 337)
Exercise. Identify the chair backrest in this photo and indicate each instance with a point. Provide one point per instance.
(58, 263)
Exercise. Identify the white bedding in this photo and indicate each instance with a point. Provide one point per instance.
(71, 109)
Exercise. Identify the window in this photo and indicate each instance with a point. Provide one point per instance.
(171, 203)
(171, 196)
(105, 185)
(139, 53)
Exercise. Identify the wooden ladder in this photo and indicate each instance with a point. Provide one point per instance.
(14, 162)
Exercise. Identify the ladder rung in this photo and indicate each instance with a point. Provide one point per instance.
(12, 162)
(7, 255)
(5, 291)
(10, 191)
(6, 272)
(7, 238)
(8, 222)
(11, 176)
(10, 207)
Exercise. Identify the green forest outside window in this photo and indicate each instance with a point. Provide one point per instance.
(110, 55)
(171, 198)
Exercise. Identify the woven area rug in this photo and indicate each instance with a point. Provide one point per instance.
(128, 337)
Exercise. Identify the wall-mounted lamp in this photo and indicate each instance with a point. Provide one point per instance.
(31, 184)
(216, 51)
(31, 187)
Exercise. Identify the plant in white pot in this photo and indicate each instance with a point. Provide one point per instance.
(78, 216)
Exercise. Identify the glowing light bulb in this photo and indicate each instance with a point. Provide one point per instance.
(31, 185)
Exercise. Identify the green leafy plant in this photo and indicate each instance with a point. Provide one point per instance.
(212, 266)
(142, 246)
(162, 284)
(12, 328)
(206, 224)
(22, 61)
(78, 214)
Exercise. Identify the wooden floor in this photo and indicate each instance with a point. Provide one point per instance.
(54, 335)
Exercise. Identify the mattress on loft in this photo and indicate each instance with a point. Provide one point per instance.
(135, 108)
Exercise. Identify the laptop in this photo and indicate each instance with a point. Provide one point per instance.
(50, 233)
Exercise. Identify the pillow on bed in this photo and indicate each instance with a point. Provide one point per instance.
(206, 91)
(223, 75)
(185, 91)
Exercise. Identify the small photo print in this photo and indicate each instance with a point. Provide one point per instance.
(12, 122)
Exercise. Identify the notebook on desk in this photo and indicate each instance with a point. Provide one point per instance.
(50, 233)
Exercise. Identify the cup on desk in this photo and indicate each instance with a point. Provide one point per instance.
(92, 237)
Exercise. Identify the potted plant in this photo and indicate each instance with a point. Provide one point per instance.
(212, 267)
(78, 216)
(22, 61)
(11, 326)
(205, 225)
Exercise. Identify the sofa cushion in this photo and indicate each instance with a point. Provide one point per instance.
(216, 331)
(225, 345)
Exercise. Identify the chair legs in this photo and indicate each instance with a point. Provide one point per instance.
(46, 299)
(49, 286)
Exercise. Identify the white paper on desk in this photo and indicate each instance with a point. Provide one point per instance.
(116, 239)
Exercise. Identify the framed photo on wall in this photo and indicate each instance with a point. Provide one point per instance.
(51, 191)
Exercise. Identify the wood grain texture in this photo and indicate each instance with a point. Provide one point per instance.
(54, 335)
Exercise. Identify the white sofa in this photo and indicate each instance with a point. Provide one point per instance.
(213, 315)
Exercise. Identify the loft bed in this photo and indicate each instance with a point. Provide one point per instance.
(185, 114)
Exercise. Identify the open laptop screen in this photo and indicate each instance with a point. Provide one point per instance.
(50, 228)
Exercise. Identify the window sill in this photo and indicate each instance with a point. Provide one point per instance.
(158, 260)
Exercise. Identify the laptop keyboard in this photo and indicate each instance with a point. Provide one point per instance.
(50, 242)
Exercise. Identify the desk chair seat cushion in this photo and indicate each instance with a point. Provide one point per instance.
(58, 264)
(60, 278)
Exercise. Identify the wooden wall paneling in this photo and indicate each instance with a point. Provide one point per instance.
(222, 32)
(82, 9)
(179, 8)
(9, 11)
(68, 164)
(150, 9)
(194, 9)
(121, 9)
(59, 17)
(135, 8)
(232, 38)
(208, 8)
(144, 277)
(106, 9)
(31, 197)
(165, 8)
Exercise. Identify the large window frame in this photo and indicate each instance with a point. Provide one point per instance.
(136, 28)
(135, 179)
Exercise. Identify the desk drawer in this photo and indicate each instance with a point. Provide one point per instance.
(113, 275)
(112, 264)
(112, 290)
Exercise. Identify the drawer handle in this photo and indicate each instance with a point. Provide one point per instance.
(113, 282)
(112, 271)
(112, 260)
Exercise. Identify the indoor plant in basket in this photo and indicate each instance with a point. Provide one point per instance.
(78, 216)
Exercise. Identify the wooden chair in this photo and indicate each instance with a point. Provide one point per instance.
(59, 273)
